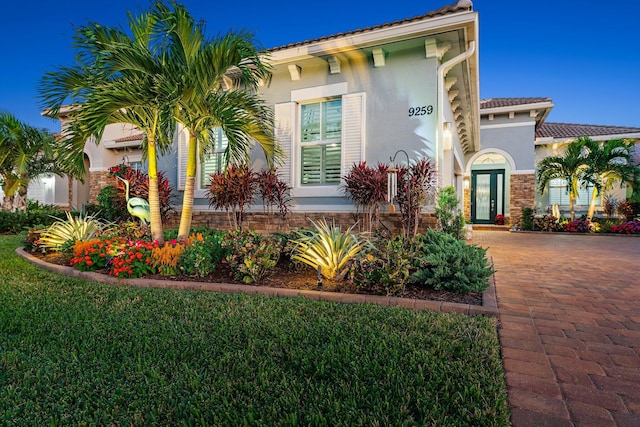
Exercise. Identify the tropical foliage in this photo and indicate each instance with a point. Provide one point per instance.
(327, 248)
(62, 234)
(589, 163)
(608, 164)
(366, 186)
(416, 184)
(26, 154)
(118, 77)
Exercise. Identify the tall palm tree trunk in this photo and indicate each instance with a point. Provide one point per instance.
(154, 196)
(592, 204)
(189, 189)
(571, 211)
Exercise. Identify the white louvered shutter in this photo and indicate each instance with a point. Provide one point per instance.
(183, 157)
(353, 128)
(284, 126)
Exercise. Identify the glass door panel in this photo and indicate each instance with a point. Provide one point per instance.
(487, 195)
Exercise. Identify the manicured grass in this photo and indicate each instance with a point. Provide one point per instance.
(75, 352)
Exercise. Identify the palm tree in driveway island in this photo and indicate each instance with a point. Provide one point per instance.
(218, 84)
(608, 164)
(570, 166)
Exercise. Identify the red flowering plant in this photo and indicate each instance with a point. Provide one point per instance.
(499, 219)
(94, 254)
(134, 260)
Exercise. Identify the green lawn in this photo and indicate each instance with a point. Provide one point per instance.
(75, 352)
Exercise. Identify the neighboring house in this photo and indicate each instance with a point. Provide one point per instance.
(500, 177)
(363, 95)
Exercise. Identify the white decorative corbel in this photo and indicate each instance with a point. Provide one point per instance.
(434, 49)
(533, 113)
(295, 72)
(378, 57)
(449, 82)
(453, 94)
(334, 65)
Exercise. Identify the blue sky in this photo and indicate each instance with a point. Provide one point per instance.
(583, 55)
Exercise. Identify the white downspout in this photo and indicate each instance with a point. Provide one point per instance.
(443, 69)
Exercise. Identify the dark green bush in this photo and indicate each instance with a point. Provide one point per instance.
(35, 215)
(526, 223)
(443, 262)
(112, 205)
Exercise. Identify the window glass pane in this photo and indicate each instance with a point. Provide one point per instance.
(483, 195)
(321, 133)
(331, 163)
(211, 163)
(311, 168)
(310, 122)
(558, 193)
(332, 120)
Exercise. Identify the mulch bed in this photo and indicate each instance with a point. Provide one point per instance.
(304, 279)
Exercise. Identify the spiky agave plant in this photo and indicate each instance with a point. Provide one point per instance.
(63, 233)
(328, 248)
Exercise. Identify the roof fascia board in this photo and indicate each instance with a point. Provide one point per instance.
(520, 107)
(565, 140)
(373, 37)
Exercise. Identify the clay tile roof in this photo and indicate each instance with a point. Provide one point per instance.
(135, 137)
(570, 130)
(459, 6)
(509, 102)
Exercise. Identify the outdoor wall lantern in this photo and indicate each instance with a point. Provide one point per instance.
(446, 134)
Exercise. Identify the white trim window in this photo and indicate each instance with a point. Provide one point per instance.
(321, 142)
(214, 161)
(559, 195)
(207, 164)
(321, 134)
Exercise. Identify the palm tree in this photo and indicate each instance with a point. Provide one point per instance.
(118, 79)
(571, 167)
(26, 153)
(219, 78)
(607, 164)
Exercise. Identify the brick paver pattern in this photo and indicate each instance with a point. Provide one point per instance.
(569, 326)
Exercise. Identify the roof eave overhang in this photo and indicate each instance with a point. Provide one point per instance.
(547, 140)
(519, 108)
(373, 37)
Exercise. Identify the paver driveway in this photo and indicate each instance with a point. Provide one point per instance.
(569, 326)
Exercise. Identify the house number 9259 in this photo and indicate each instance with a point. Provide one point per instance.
(420, 111)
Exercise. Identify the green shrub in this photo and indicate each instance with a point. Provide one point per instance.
(526, 223)
(443, 262)
(327, 248)
(450, 219)
(202, 257)
(112, 205)
(35, 215)
(384, 266)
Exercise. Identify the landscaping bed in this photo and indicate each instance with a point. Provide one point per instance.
(77, 352)
(283, 276)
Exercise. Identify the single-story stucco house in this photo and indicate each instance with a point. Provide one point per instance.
(362, 95)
